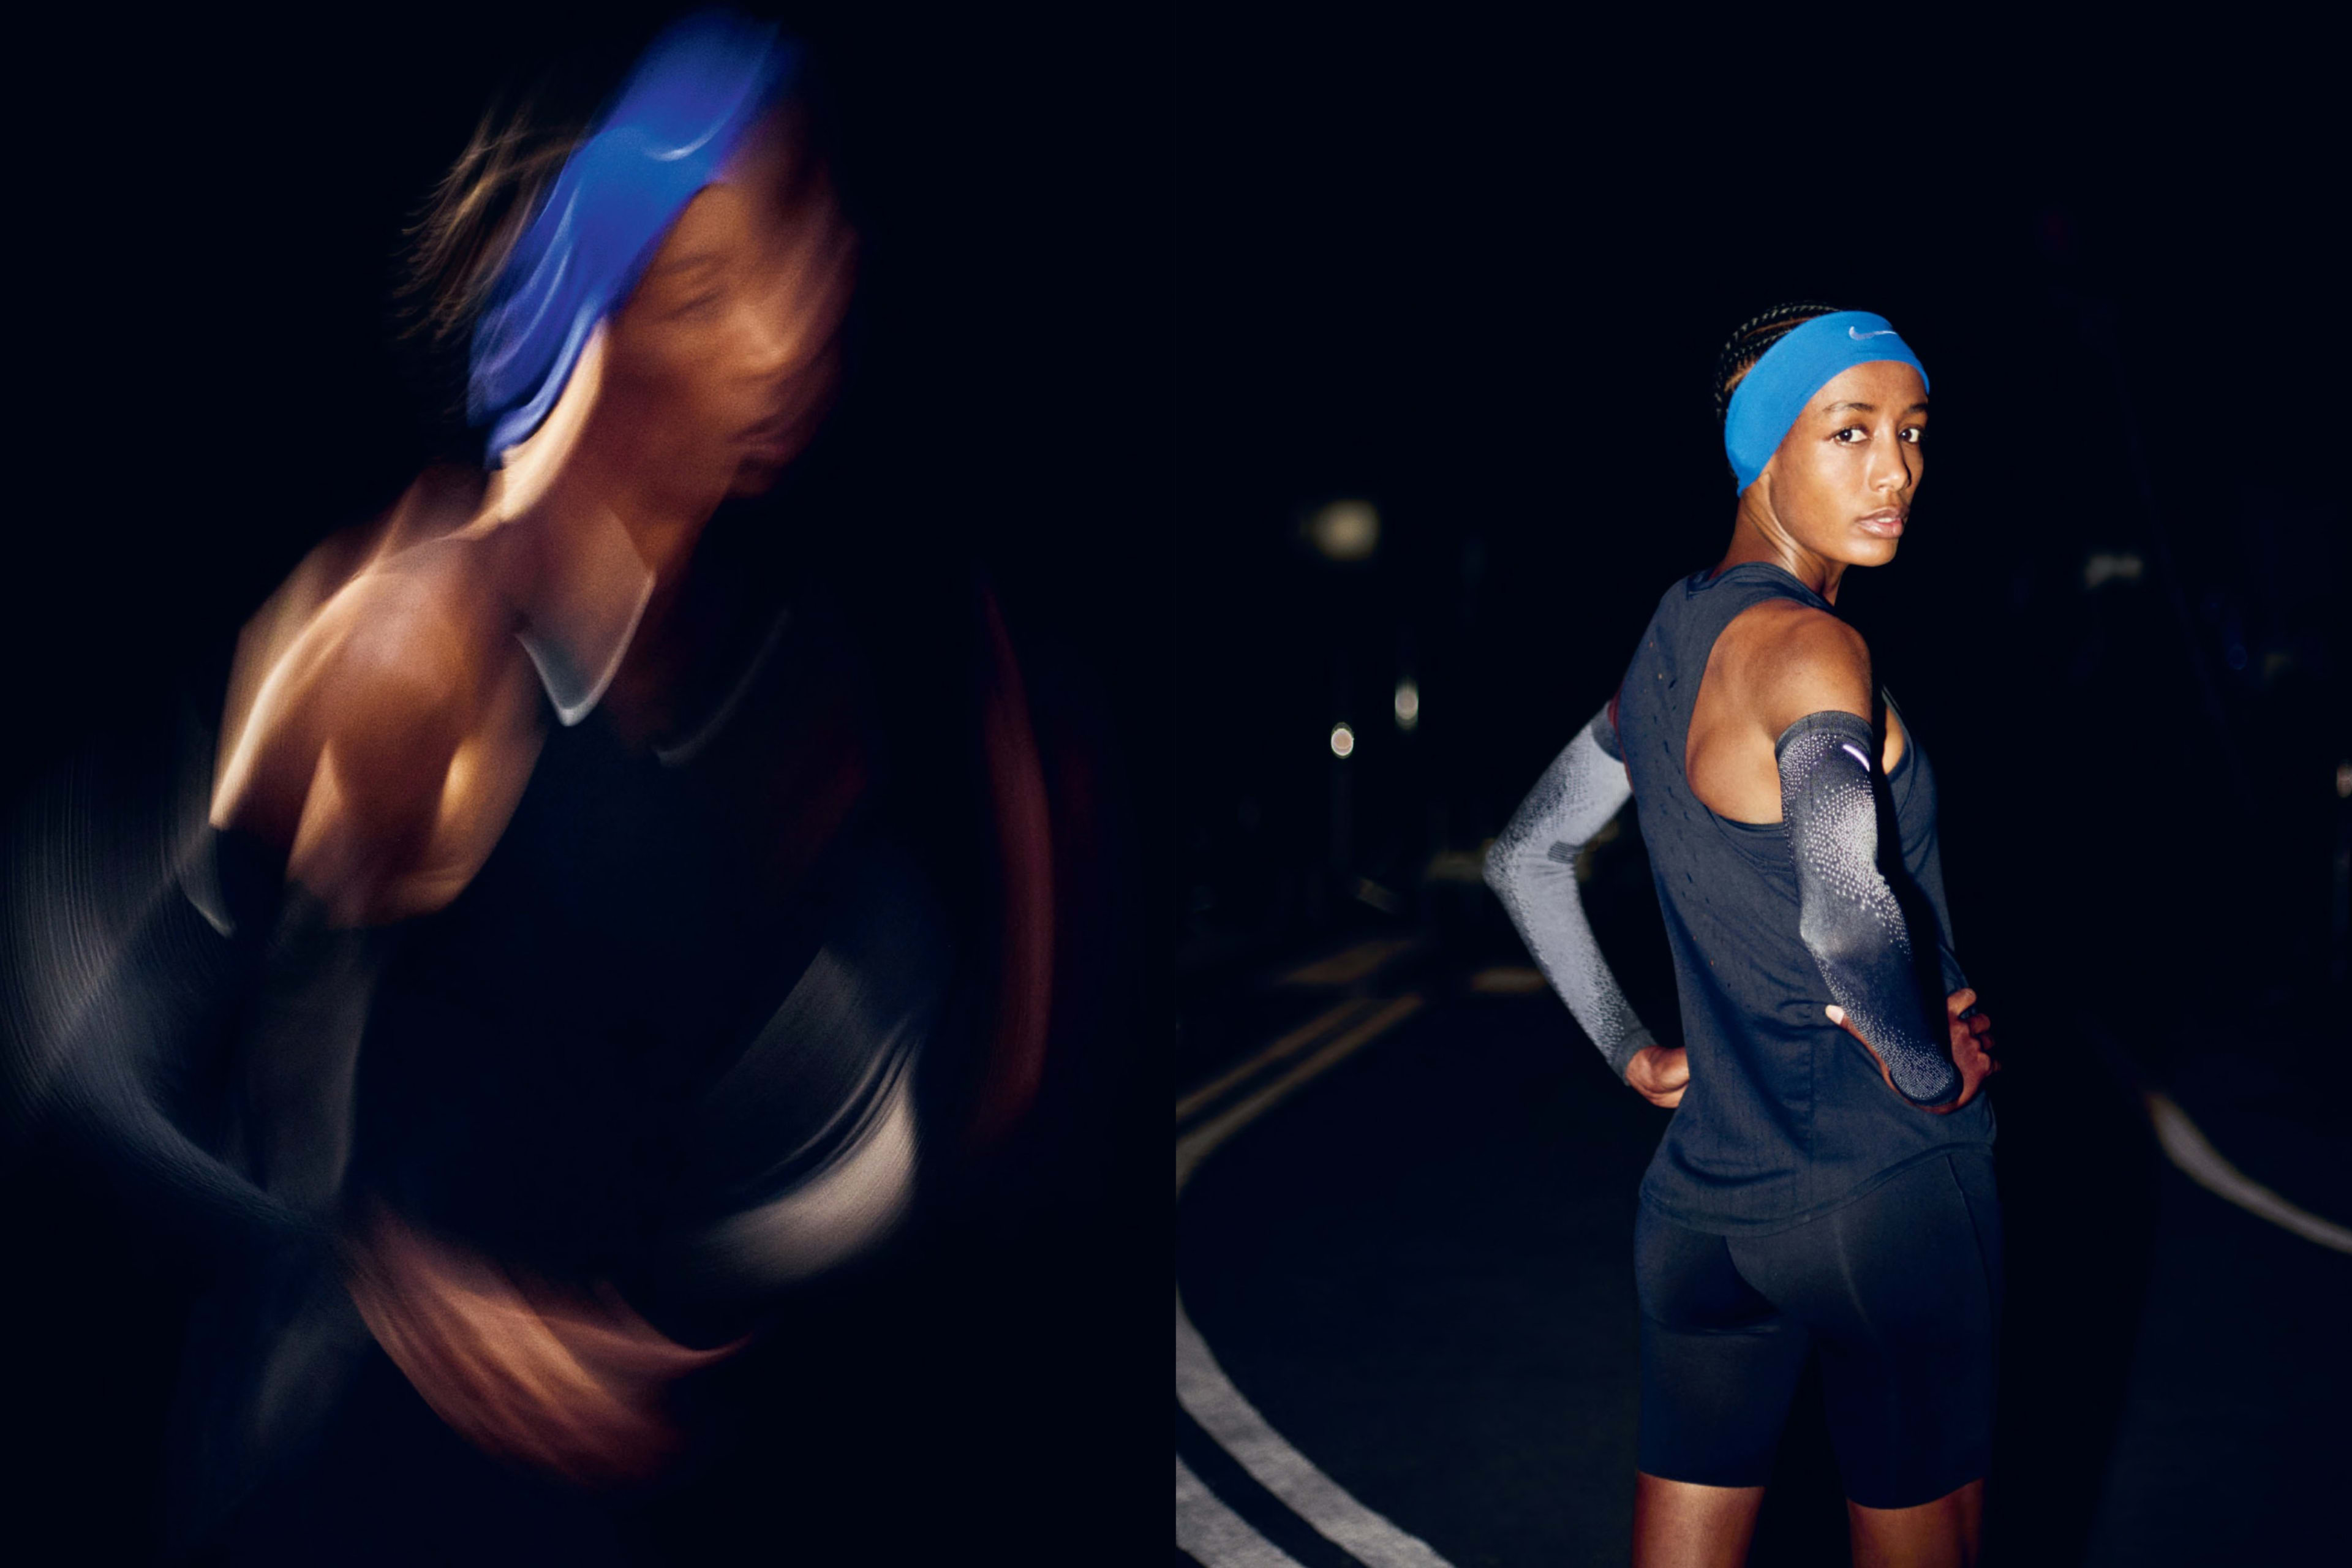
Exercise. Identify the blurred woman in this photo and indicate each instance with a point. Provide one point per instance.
(1826, 1181)
(604, 972)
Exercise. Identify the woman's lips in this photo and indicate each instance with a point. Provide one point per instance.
(1885, 524)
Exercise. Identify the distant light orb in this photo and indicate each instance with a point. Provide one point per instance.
(1343, 740)
(2344, 781)
(1408, 704)
(1346, 531)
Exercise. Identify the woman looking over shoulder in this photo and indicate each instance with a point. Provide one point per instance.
(1826, 1181)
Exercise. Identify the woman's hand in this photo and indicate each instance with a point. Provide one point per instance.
(1659, 1075)
(568, 1384)
(1972, 1048)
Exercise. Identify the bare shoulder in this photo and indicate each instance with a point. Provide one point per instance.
(1784, 660)
(389, 671)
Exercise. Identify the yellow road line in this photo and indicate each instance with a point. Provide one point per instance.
(1290, 1044)
(1348, 967)
(1197, 1144)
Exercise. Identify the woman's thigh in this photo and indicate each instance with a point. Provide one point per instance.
(1901, 1290)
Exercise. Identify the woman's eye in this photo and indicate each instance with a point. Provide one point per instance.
(700, 305)
(1915, 435)
(1852, 435)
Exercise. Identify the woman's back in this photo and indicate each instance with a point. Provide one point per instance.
(1785, 1116)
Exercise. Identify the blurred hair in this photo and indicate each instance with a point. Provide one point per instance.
(462, 232)
(461, 238)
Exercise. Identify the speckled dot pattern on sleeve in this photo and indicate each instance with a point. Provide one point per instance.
(1847, 915)
(1532, 869)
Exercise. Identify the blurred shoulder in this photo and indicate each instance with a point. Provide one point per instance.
(395, 664)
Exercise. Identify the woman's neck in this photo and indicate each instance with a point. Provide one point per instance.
(1757, 534)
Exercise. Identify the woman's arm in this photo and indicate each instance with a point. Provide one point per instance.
(1848, 916)
(1532, 869)
(1815, 696)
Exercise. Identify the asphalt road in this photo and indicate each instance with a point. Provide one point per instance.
(1414, 1265)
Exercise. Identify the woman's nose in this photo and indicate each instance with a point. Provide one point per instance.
(1895, 467)
(797, 299)
(766, 335)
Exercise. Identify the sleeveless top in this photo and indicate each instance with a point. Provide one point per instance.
(687, 983)
(1785, 1116)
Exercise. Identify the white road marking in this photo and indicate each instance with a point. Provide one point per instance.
(2186, 1147)
(1204, 1390)
(1209, 1395)
(1215, 1534)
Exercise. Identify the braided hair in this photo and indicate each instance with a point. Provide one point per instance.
(1748, 343)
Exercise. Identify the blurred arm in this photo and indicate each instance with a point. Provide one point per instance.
(1532, 869)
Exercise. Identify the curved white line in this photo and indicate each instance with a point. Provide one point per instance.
(1209, 1395)
(1215, 1534)
(2186, 1147)
(1205, 1390)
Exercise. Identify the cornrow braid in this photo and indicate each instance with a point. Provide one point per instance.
(1750, 338)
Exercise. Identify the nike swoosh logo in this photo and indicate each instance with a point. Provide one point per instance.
(1858, 335)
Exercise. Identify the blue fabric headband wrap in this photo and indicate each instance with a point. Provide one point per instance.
(1775, 391)
(695, 92)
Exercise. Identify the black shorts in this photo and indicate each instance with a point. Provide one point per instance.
(1900, 1289)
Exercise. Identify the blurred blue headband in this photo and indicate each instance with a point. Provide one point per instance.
(696, 90)
(1768, 400)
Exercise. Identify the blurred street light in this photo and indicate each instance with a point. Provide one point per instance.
(1408, 704)
(1343, 740)
(1345, 530)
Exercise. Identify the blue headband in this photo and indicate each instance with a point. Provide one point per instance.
(1769, 397)
(695, 92)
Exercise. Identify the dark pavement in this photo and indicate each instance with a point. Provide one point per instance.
(1418, 1268)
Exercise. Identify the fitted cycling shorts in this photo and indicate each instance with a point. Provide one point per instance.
(1898, 1291)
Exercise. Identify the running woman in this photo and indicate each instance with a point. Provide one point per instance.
(1826, 1183)
(590, 973)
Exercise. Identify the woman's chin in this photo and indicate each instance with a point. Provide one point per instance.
(1870, 551)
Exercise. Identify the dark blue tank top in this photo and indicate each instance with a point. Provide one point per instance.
(549, 1062)
(1785, 1116)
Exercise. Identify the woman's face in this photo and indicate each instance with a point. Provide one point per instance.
(1843, 479)
(719, 366)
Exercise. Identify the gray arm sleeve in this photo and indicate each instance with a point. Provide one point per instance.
(1847, 915)
(1532, 869)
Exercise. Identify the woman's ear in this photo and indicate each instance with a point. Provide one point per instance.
(533, 464)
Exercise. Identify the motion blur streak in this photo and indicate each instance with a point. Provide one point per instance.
(1025, 845)
(567, 1382)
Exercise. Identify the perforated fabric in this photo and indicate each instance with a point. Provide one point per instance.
(1532, 869)
(1785, 1117)
(1847, 915)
